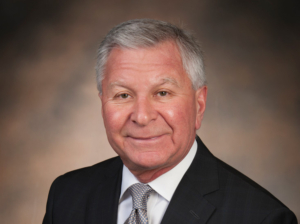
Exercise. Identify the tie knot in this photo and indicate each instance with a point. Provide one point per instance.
(140, 193)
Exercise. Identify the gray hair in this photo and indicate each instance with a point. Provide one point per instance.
(139, 33)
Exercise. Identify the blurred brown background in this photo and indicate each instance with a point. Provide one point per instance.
(50, 113)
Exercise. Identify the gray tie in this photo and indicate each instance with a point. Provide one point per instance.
(139, 193)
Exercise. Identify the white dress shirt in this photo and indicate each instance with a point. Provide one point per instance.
(164, 187)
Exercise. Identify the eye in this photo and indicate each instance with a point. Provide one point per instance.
(124, 95)
(163, 93)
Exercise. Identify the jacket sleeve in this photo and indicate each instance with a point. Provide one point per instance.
(280, 216)
(48, 218)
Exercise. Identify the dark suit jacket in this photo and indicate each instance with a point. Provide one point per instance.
(210, 192)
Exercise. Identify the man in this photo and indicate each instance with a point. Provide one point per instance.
(152, 88)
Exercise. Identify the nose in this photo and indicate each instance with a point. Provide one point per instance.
(143, 112)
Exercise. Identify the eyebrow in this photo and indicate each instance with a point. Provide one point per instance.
(167, 80)
(116, 83)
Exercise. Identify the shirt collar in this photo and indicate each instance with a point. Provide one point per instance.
(166, 184)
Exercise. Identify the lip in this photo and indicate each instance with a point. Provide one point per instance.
(145, 139)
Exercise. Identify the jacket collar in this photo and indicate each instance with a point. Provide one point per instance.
(102, 204)
(203, 171)
(188, 204)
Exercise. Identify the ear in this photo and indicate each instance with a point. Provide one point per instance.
(201, 94)
(101, 98)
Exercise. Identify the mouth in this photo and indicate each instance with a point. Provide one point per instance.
(145, 138)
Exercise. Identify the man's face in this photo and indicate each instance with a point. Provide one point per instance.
(150, 110)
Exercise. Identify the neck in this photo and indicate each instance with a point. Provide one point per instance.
(145, 175)
(150, 175)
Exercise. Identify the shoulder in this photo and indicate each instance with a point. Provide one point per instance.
(230, 178)
(71, 194)
(88, 176)
(242, 194)
(234, 195)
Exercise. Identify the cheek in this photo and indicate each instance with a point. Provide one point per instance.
(114, 118)
(179, 115)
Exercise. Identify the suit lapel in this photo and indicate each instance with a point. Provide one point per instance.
(102, 205)
(188, 204)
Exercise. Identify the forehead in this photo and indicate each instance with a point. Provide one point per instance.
(163, 59)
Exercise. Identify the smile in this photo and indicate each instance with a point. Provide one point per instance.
(146, 139)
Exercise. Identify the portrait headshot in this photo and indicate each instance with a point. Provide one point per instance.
(150, 112)
(152, 87)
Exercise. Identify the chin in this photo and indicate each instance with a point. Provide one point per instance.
(149, 162)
